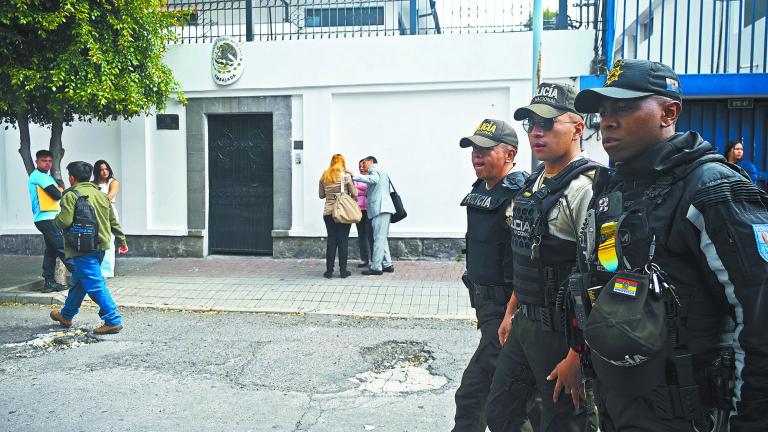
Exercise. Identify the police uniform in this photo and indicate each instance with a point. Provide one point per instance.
(488, 277)
(546, 218)
(678, 251)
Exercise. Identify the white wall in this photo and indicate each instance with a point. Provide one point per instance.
(406, 100)
(81, 141)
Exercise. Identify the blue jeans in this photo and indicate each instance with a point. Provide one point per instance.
(54, 247)
(87, 279)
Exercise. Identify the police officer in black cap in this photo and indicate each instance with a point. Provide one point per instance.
(546, 218)
(674, 298)
(488, 277)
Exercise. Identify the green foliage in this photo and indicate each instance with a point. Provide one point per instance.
(549, 16)
(84, 59)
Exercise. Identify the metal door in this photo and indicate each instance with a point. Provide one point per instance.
(240, 183)
(718, 124)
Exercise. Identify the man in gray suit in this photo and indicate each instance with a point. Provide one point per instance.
(380, 210)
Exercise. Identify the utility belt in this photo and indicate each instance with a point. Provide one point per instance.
(497, 293)
(549, 316)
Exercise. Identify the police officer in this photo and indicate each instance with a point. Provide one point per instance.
(681, 238)
(494, 145)
(546, 217)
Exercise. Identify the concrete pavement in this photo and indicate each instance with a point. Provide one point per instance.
(417, 289)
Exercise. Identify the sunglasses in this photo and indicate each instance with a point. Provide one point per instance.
(546, 124)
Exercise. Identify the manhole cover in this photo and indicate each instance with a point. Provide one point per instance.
(398, 367)
(49, 342)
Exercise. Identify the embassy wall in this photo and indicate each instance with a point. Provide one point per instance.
(406, 100)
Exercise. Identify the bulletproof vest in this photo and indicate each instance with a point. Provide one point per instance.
(488, 254)
(541, 260)
(644, 213)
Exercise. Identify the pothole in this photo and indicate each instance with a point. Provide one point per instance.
(49, 342)
(398, 367)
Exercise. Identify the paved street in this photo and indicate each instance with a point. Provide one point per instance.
(213, 371)
(417, 289)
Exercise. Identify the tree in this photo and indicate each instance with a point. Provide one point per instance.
(549, 19)
(82, 59)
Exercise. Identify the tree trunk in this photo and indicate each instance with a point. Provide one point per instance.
(56, 147)
(24, 143)
(57, 128)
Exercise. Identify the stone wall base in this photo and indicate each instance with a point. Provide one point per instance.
(139, 245)
(283, 247)
(400, 248)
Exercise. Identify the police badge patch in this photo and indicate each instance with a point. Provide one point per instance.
(761, 238)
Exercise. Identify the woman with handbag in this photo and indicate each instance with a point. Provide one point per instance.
(340, 212)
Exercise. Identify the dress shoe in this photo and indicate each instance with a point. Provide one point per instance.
(107, 329)
(390, 269)
(372, 272)
(345, 273)
(363, 264)
(57, 316)
(328, 274)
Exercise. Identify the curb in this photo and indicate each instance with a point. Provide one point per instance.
(31, 298)
(294, 311)
(58, 299)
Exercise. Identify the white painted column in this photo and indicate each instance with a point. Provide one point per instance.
(297, 165)
(318, 149)
(134, 153)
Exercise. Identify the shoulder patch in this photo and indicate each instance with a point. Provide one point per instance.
(761, 239)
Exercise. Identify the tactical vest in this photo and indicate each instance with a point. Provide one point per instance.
(488, 254)
(645, 217)
(645, 220)
(541, 260)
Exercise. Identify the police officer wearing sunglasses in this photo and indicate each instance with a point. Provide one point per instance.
(546, 217)
(674, 300)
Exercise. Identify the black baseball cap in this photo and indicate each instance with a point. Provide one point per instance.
(627, 335)
(632, 79)
(491, 133)
(551, 100)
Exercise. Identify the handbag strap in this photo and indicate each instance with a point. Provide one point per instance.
(392, 185)
(341, 184)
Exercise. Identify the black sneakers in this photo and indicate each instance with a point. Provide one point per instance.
(372, 272)
(53, 286)
(390, 269)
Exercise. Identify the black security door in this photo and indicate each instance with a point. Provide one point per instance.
(240, 183)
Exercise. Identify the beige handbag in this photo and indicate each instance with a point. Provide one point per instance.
(345, 209)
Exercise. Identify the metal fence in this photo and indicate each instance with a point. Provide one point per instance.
(694, 36)
(268, 20)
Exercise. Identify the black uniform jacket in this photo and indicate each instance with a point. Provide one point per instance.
(712, 239)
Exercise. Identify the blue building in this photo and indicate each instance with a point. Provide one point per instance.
(718, 47)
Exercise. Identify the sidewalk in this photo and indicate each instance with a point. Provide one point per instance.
(417, 289)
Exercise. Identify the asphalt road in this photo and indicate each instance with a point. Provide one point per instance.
(180, 371)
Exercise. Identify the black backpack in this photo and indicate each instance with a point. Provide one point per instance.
(83, 234)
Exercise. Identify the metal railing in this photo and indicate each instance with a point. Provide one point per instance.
(268, 20)
(694, 36)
